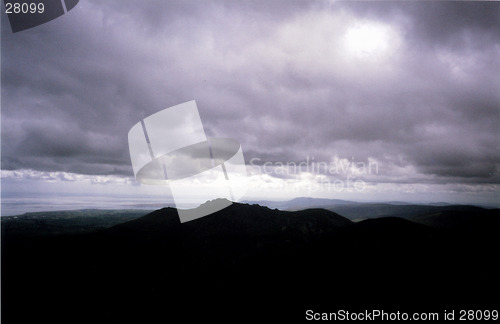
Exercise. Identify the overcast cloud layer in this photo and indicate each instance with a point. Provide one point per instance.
(412, 86)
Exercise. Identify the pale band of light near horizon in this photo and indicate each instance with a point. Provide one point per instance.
(170, 147)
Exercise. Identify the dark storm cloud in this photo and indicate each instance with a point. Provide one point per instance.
(451, 23)
(437, 23)
(271, 74)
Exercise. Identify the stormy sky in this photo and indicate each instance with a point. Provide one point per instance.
(411, 87)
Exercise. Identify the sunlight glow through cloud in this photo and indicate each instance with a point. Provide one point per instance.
(370, 40)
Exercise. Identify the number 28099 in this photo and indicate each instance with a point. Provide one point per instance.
(16, 7)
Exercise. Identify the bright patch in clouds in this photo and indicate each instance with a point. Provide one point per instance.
(370, 39)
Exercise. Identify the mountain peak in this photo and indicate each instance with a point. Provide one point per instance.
(237, 220)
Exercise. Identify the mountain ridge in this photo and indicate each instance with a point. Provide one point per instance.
(246, 259)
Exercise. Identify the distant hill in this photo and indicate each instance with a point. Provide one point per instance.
(371, 210)
(65, 222)
(357, 211)
(466, 218)
(300, 203)
(249, 262)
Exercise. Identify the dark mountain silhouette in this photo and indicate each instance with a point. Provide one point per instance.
(466, 218)
(246, 263)
(357, 211)
(241, 219)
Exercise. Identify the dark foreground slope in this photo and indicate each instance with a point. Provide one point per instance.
(246, 263)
